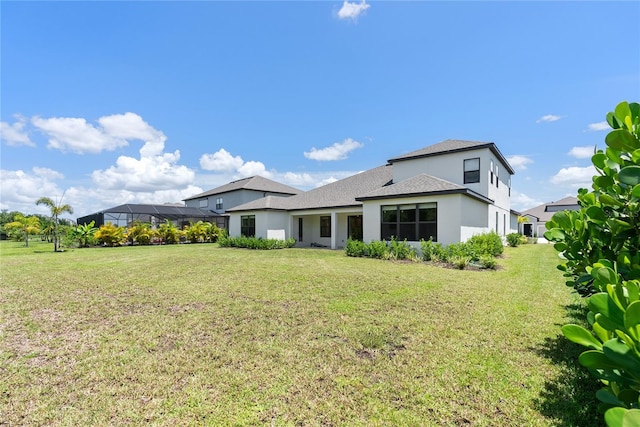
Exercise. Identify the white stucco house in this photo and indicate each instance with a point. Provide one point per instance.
(448, 192)
(537, 217)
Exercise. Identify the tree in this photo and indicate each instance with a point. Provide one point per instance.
(56, 209)
(25, 224)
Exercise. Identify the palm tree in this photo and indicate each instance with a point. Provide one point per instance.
(56, 209)
(26, 224)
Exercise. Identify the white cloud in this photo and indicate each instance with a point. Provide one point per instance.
(519, 162)
(337, 151)
(352, 10)
(20, 189)
(75, 134)
(575, 177)
(15, 134)
(522, 202)
(147, 174)
(581, 152)
(115, 131)
(548, 118)
(224, 162)
(595, 127)
(252, 168)
(221, 161)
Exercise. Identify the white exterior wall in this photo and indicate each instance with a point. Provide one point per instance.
(451, 209)
(265, 220)
(450, 167)
(474, 218)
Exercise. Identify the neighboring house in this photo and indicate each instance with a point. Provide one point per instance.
(448, 192)
(235, 193)
(539, 215)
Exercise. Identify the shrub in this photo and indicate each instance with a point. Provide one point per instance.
(487, 243)
(488, 262)
(401, 249)
(377, 249)
(111, 235)
(255, 243)
(460, 261)
(455, 251)
(355, 248)
(601, 246)
(431, 251)
(513, 239)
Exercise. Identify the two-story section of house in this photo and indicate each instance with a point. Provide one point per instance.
(446, 192)
(239, 192)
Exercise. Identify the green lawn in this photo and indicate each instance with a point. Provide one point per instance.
(199, 335)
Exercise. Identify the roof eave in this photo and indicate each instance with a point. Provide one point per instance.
(490, 145)
(463, 191)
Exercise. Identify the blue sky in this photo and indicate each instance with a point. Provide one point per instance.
(153, 102)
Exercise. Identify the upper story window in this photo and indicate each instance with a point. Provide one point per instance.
(472, 170)
(497, 176)
(219, 203)
(491, 170)
(204, 203)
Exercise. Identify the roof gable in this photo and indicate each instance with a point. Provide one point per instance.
(453, 146)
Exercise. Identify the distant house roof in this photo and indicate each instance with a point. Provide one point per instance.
(254, 183)
(545, 212)
(453, 146)
(167, 211)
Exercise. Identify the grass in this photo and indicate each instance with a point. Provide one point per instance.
(201, 335)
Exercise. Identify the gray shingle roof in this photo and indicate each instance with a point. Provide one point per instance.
(256, 183)
(452, 146)
(544, 215)
(341, 193)
(422, 184)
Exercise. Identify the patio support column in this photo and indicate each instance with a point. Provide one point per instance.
(334, 227)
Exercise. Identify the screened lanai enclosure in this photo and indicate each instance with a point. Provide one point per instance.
(125, 215)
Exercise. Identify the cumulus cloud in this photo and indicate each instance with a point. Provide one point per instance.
(15, 134)
(221, 161)
(21, 189)
(147, 174)
(522, 202)
(337, 151)
(581, 152)
(595, 127)
(519, 162)
(77, 135)
(548, 118)
(224, 162)
(352, 10)
(574, 177)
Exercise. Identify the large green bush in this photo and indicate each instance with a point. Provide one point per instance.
(487, 244)
(601, 246)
